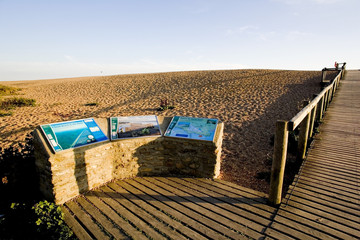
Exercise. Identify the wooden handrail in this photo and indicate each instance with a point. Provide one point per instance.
(306, 120)
(297, 119)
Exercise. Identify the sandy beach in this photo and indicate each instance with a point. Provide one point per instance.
(248, 101)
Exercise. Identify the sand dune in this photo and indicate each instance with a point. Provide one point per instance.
(248, 101)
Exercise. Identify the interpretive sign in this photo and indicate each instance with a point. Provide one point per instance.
(72, 134)
(134, 126)
(192, 128)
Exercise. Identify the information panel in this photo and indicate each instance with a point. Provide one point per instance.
(134, 126)
(72, 134)
(192, 128)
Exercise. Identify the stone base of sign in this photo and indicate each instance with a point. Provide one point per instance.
(68, 173)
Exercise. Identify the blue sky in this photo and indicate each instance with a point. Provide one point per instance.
(70, 38)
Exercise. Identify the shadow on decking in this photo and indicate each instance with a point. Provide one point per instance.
(179, 199)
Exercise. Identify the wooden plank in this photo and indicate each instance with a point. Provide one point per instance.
(227, 214)
(335, 164)
(329, 175)
(323, 215)
(261, 197)
(329, 182)
(353, 191)
(75, 226)
(156, 207)
(323, 205)
(113, 215)
(144, 227)
(335, 158)
(276, 234)
(337, 152)
(196, 221)
(163, 227)
(332, 191)
(291, 229)
(142, 220)
(244, 203)
(87, 221)
(230, 191)
(316, 228)
(292, 222)
(329, 198)
(101, 219)
(333, 170)
(340, 170)
(208, 217)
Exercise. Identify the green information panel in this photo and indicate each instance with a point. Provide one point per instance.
(72, 134)
(192, 128)
(134, 126)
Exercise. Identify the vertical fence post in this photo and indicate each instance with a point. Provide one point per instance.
(326, 100)
(303, 135)
(312, 119)
(331, 90)
(335, 86)
(278, 163)
(320, 108)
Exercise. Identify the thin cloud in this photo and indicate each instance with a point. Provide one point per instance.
(240, 30)
(295, 35)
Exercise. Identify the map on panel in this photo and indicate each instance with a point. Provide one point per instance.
(192, 128)
(134, 126)
(72, 134)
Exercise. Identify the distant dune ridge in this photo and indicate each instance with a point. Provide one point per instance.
(248, 101)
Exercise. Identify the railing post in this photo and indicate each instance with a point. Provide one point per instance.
(303, 135)
(331, 93)
(320, 109)
(312, 119)
(278, 163)
(335, 86)
(326, 100)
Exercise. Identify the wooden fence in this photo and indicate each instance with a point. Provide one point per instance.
(304, 120)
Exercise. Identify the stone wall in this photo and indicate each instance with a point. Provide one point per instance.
(68, 173)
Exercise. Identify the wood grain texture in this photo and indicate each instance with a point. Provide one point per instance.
(324, 200)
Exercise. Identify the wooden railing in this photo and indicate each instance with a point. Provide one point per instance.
(304, 120)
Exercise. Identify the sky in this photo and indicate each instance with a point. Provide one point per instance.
(42, 39)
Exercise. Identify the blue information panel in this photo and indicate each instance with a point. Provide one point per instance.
(192, 128)
(72, 134)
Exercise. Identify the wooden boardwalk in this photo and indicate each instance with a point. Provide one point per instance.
(170, 208)
(324, 200)
(322, 203)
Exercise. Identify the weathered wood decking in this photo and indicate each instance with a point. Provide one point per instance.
(175, 208)
(324, 200)
(322, 203)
